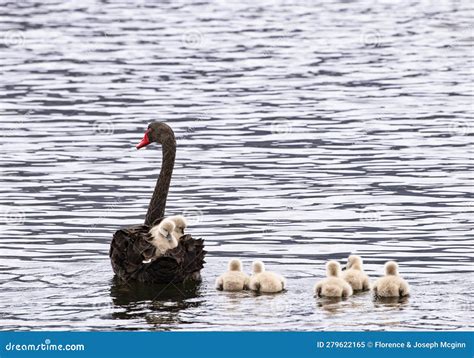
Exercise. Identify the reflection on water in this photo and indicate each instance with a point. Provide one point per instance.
(306, 131)
(391, 301)
(160, 305)
(123, 293)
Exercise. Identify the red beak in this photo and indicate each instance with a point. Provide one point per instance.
(145, 141)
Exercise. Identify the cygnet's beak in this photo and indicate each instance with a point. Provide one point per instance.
(169, 237)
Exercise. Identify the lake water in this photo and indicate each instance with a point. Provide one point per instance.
(306, 131)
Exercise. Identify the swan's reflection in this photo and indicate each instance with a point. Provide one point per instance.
(158, 304)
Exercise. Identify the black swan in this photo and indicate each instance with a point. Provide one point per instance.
(131, 246)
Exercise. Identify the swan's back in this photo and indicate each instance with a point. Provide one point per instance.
(130, 246)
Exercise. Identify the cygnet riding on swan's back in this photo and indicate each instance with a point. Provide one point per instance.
(162, 238)
(265, 281)
(180, 225)
(333, 285)
(354, 274)
(234, 279)
(391, 285)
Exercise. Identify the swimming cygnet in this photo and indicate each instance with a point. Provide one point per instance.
(180, 225)
(391, 285)
(162, 238)
(234, 279)
(265, 281)
(333, 285)
(355, 275)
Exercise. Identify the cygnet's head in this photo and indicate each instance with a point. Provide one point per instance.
(391, 268)
(166, 227)
(354, 262)
(258, 267)
(180, 225)
(333, 268)
(235, 265)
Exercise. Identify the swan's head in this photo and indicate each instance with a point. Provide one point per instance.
(180, 225)
(355, 262)
(391, 268)
(258, 266)
(157, 132)
(235, 265)
(163, 229)
(333, 268)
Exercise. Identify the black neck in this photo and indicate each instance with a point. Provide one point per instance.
(157, 206)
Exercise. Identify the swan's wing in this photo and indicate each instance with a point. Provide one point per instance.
(177, 265)
(129, 248)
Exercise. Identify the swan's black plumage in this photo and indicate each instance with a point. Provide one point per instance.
(130, 246)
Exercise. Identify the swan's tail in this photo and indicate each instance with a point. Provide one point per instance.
(194, 256)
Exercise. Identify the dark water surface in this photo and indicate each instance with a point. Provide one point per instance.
(306, 131)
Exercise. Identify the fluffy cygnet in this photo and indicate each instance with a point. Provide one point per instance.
(265, 281)
(391, 285)
(180, 225)
(333, 285)
(234, 279)
(162, 238)
(354, 274)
